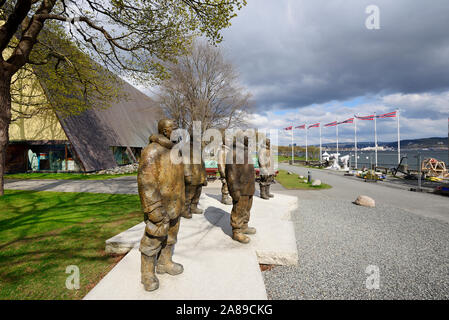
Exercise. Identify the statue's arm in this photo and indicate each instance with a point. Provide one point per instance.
(232, 181)
(155, 214)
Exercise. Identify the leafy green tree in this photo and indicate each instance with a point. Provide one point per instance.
(129, 38)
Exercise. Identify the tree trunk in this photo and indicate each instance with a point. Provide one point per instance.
(5, 119)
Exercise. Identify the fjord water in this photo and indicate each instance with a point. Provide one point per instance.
(389, 159)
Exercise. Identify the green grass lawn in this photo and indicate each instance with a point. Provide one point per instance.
(291, 181)
(41, 233)
(65, 176)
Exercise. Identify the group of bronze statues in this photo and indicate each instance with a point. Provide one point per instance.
(169, 190)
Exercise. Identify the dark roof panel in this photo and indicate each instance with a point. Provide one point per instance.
(128, 122)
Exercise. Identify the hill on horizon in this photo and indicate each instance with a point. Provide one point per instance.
(431, 143)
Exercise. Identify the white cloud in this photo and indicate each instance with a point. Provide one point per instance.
(415, 119)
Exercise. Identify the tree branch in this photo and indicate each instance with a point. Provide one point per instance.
(29, 37)
(7, 30)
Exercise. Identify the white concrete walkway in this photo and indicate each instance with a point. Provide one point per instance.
(123, 185)
(215, 266)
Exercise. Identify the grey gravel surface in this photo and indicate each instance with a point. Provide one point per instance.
(337, 240)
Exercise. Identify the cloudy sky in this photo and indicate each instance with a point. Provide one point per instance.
(316, 61)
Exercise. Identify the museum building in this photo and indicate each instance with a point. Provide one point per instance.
(96, 139)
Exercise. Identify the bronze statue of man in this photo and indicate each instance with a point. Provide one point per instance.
(195, 179)
(266, 171)
(222, 153)
(161, 189)
(240, 181)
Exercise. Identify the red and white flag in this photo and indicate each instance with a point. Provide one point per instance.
(332, 124)
(316, 125)
(289, 128)
(350, 120)
(301, 127)
(371, 117)
(387, 115)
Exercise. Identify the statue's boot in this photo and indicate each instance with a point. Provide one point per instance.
(148, 278)
(194, 209)
(240, 237)
(226, 199)
(249, 230)
(263, 192)
(165, 263)
(268, 192)
(186, 213)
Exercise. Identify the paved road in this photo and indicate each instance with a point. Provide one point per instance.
(125, 185)
(405, 238)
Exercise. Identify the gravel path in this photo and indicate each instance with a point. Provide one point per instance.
(338, 240)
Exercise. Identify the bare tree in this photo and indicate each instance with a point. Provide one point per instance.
(204, 87)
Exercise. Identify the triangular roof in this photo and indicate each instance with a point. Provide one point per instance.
(128, 122)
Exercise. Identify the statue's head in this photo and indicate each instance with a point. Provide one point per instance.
(268, 143)
(166, 127)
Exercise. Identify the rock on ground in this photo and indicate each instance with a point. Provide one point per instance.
(365, 201)
(130, 168)
(316, 183)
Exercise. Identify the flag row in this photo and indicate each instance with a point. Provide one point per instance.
(350, 120)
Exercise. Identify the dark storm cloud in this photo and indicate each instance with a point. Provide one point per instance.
(295, 53)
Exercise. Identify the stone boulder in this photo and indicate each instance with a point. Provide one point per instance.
(130, 168)
(365, 201)
(316, 183)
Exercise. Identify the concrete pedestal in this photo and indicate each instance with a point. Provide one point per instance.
(215, 266)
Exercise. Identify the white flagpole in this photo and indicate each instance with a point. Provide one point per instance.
(321, 153)
(375, 138)
(293, 162)
(355, 140)
(399, 138)
(307, 154)
(336, 130)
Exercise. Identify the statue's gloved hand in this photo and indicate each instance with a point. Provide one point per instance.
(157, 222)
(157, 229)
(173, 211)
